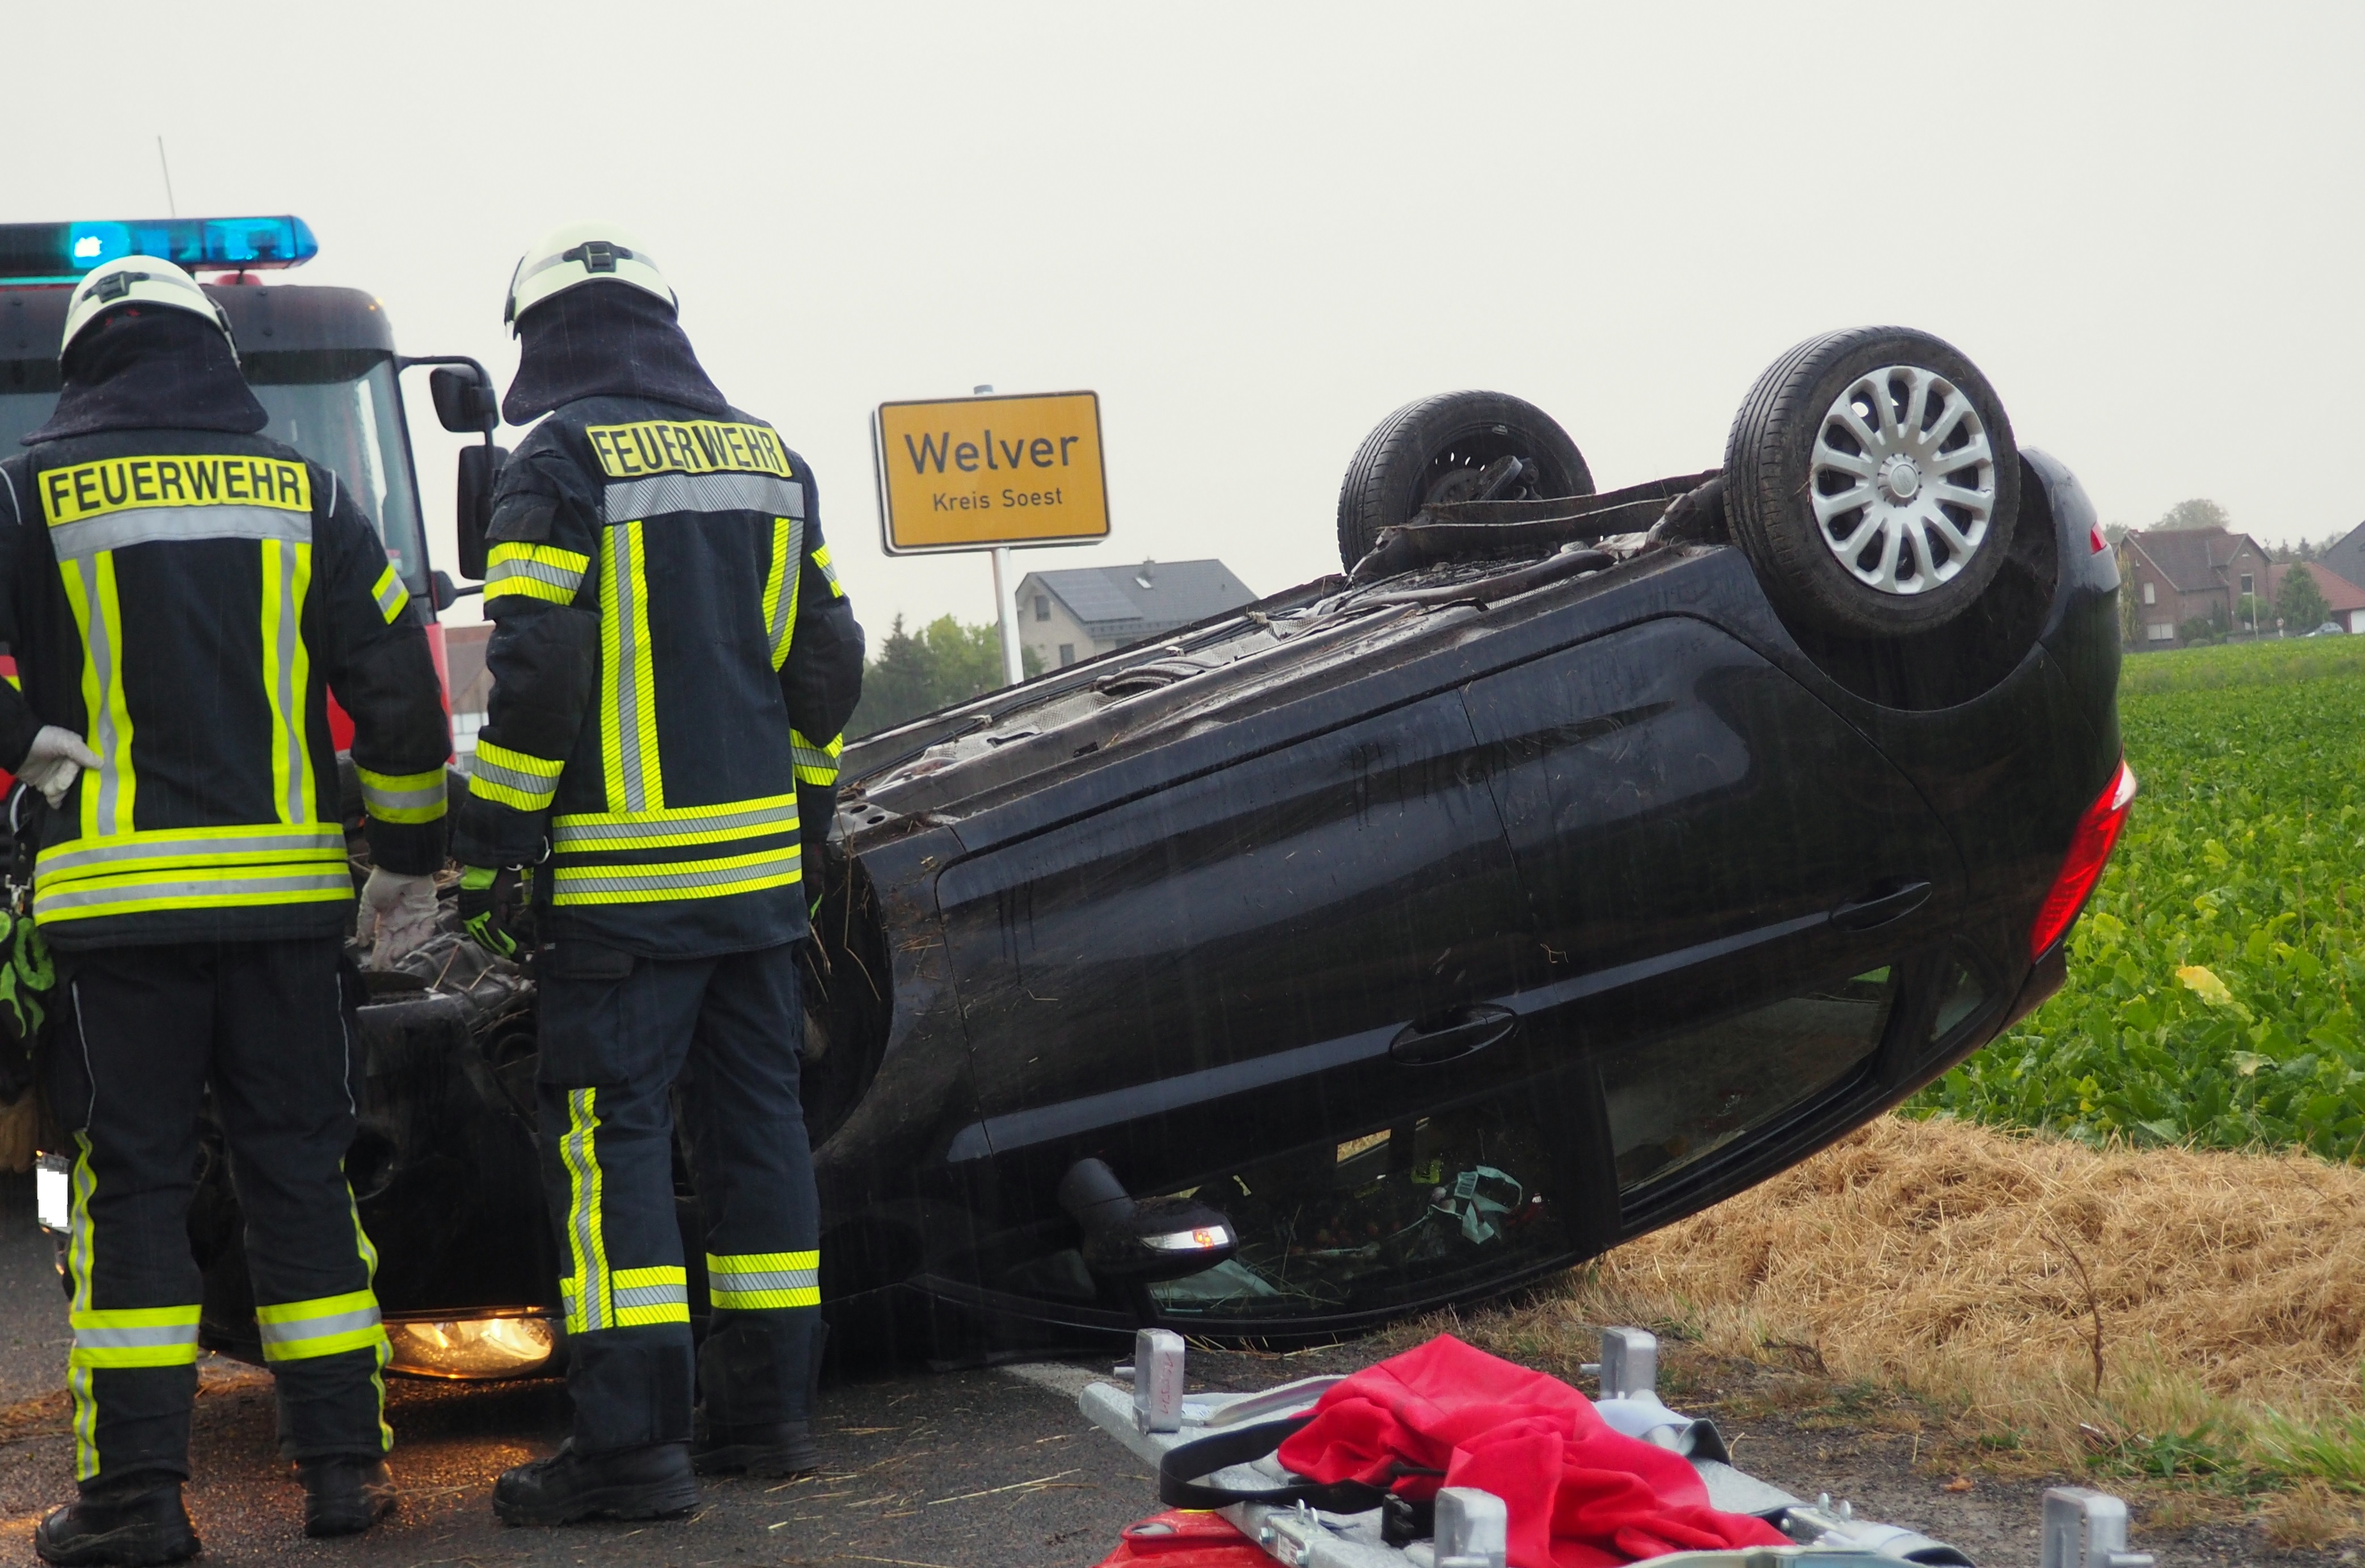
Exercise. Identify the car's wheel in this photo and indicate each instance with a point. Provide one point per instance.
(1456, 447)
(1872, 479)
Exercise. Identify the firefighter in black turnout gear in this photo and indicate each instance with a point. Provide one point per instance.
(673, 662)
(182, 596)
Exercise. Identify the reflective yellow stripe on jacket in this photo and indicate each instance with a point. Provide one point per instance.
(816, 764)
(514, 778)
(686, 852)
(403, 796)
(200, 867)
(515, 570)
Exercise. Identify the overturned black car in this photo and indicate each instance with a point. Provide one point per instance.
(1571, 862)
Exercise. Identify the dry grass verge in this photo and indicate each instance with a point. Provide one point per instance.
(2191, 1316)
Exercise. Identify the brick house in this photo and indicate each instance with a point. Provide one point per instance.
(1069, 616)
(2344, 598)
(2173, 576)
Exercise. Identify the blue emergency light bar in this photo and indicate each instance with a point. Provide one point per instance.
(62, 252)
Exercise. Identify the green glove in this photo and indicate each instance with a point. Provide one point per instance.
(492, 907)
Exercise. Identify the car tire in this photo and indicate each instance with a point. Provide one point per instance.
(1434, 450)
(1872, 480)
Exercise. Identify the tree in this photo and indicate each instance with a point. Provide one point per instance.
(943, 663)
(2301, 601)
(2198, 513)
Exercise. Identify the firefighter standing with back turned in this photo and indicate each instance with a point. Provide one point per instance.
(182, 595)
(673, 661)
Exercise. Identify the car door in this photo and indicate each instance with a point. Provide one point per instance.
(1722, 874)
(1188, 981)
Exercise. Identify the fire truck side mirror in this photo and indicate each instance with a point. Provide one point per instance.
(464, 403)
(480, 469)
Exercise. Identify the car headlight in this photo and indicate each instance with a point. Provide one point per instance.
(53, 1192)
(472, 1348)
(1203, 1239)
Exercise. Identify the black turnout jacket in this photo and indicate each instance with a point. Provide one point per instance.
(673, 662)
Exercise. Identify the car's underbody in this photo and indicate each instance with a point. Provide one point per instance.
(1393, 941)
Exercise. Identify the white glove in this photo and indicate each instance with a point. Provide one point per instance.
(57, 758)
(397, 917)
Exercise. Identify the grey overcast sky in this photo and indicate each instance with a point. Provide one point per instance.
(1257, 229)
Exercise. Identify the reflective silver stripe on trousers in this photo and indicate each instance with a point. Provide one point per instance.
(319, 1327)
(150, 525)
(290, 700)
(791, 565)
(327, 841)
(540, 571)
(584, 1167)
(251, 881)
(629, 500)
(146, 1337)
(622, 588)
(630, 1296)
(767, 1280)
(623, 879)
(378, 799)
(567, 836)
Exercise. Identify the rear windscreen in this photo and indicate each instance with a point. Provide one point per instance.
(338, 407)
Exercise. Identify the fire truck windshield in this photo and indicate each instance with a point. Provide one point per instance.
(338, 407)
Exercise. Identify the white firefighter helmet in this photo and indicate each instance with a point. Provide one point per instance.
(138, 280)
(580, 253)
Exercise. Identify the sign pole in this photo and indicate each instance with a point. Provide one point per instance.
(1014, 668)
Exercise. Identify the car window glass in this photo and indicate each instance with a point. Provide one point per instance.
(337, 407)
(1439, 1204)
(1962, 995)
(1674, 1102)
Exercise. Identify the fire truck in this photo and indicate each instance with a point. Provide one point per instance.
(322, 359)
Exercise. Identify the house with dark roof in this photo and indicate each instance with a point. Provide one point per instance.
(1069, 616)
(2178, 576)
(2347, 557)
(2343, 598)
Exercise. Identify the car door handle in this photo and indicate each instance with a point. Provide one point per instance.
(1425, 1042)
(1880, 904)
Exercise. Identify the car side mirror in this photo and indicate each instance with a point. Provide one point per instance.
(1142, 1241)
(480, 470)
(464, 403)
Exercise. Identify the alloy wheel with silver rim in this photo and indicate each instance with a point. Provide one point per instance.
(1904, 479)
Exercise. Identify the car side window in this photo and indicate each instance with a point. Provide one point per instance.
(1673, 1101)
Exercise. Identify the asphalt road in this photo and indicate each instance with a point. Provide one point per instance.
(973, 1469)
(957, 1469)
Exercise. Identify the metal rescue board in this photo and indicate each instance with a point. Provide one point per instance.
(976, 472)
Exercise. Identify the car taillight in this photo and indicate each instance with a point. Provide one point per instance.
(2090, 850)
(2097, 540)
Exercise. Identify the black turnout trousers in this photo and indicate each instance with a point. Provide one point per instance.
(618, 1032)
(269, 1027)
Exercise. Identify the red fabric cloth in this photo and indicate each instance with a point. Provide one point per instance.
(1579, 1494)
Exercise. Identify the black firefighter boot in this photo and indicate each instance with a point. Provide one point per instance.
(744, 1356)
(779, 1450)
(650, 1483)
(129, 1523)
(344, 1494)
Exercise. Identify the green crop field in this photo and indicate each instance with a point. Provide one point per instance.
(2215, 978)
